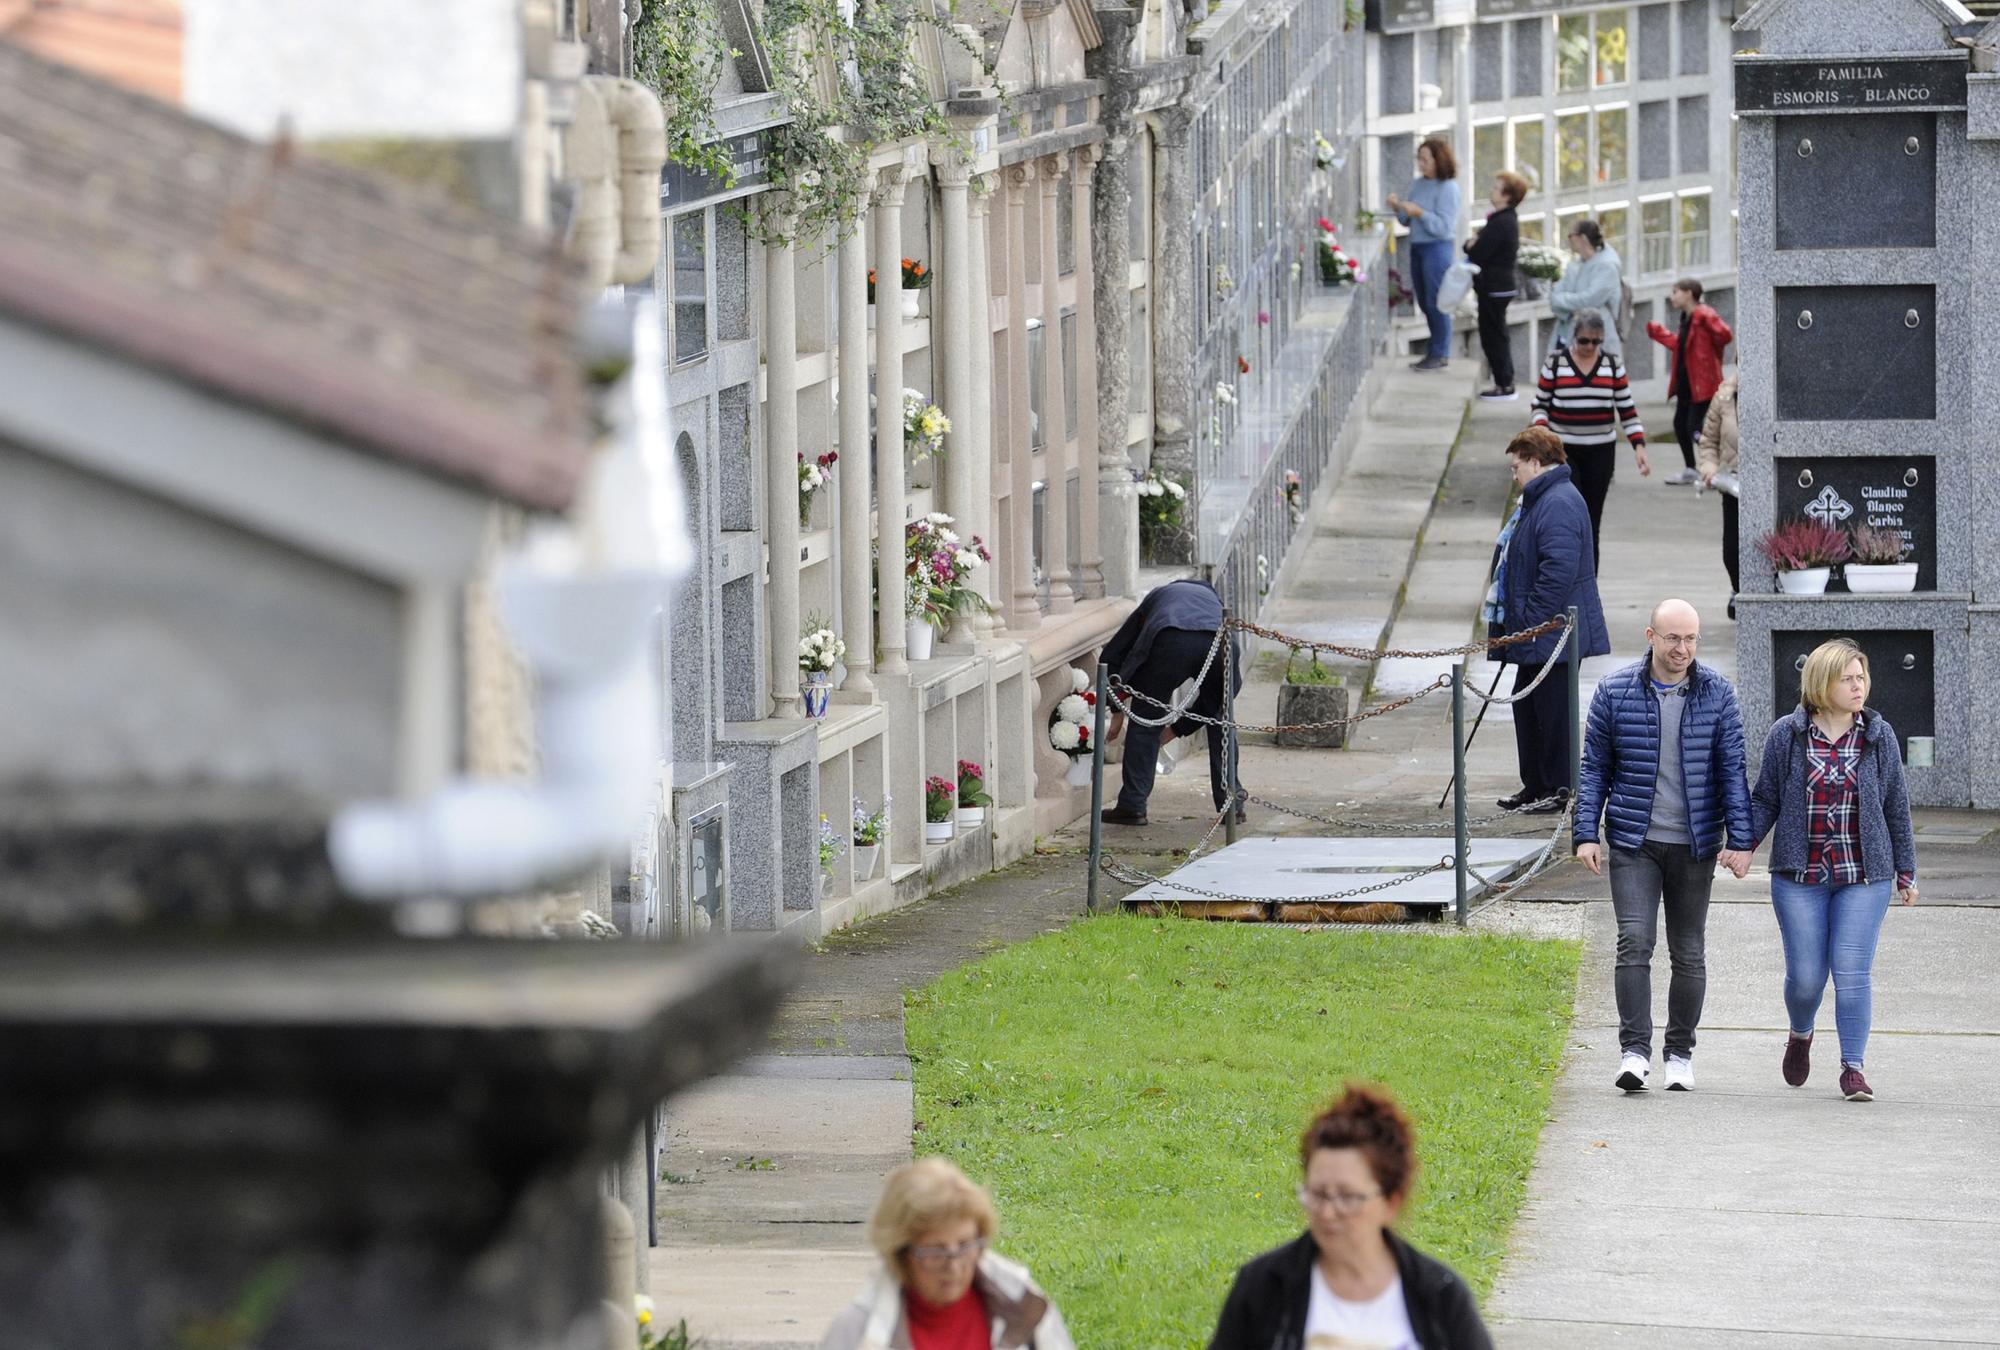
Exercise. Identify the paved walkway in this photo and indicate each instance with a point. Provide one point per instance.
(1743, 1214)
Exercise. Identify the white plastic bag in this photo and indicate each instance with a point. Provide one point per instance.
(1457, 284)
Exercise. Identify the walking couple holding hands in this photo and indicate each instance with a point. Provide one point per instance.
(1664, 800)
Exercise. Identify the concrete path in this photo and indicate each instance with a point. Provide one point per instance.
(1748, 1213)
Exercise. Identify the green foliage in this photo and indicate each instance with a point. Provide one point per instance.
(1312, 672)
(677, 51)
(1132, 1091)
(675, 1337)
(241, 1327)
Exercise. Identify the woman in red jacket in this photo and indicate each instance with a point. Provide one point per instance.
(1697, 365)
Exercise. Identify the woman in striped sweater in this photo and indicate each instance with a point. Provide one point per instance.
(1584, 397)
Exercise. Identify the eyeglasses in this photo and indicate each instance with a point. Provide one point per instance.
(937, 1256)
(1586, 342)
(1340, 1202)
(1678, 640)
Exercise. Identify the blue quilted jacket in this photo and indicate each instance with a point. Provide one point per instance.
(1548, 568)
(1621, 761)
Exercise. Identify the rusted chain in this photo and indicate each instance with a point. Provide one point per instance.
(1349, 823)
(1136, 876)
(1297, 644)
(1442, 682)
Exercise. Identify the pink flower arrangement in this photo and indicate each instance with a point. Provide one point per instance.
(939, 568)
(938, 794)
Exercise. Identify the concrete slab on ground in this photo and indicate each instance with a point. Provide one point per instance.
(1295, 867)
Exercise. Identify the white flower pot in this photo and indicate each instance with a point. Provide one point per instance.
(1880, 578)
(970, 817)
(910, 307)
(937, 832)
(1078, 774)
(919, 633)
(1805, 581)
(865, 856)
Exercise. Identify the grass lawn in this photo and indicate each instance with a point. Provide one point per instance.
(1132, 1091)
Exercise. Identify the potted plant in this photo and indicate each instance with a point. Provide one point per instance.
(938, 794)
(972, 796)
(1162, 503)
(938, 578)
(1803, 553)
(1539, 265)
(820, 650)
(1335, 266)
(1876, 566)
(1071, 724)
(924, 426)
(830, 847)
(1311, 694)
(814, 474)
(870, 829)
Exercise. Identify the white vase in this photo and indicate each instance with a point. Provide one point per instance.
(1805, 581)
(865, 856)
(970, 817)
(918, 634)
(1078, 773)
(910, 307)
(1880, 578)
(937, 832)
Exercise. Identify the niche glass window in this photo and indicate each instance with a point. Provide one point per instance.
(1694, 230)
(1616, 222)
(1656, 236)
(690, 285)
(1613, 145)
(1611, 46)
(1573, 58)
(1531, 152)
(1572, 150)
(1489, 152)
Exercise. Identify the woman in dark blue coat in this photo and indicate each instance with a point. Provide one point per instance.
(1545, 564)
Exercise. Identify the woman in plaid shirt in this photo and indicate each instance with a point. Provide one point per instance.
(1832, 783)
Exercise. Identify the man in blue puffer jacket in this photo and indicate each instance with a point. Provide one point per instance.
(1663, 768)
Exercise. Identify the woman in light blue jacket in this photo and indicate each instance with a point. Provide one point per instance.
(1431, 212)
(1593, 281)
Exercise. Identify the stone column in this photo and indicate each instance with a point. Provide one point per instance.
(1174, 299)
(953, 332)
(978, 442)
(1111, 294)
(1090, 556)
(1018, 587)
(890, 493)
(781, 471)
(1461, 82)
(857, 620)
(1055, 419)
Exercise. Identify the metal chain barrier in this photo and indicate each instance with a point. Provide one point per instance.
(1136, 876)
(1442, 682)
(1378, 827)
(1518, 694)
(1298, 644)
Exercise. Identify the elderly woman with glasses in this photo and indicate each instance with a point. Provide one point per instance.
(940, 1288)
(1348, 1279)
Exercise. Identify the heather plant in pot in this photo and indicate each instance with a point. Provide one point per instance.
(1803, 554)
(1877, 565)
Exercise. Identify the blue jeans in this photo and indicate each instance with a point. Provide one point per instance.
(1831, 929)
(1427, 268)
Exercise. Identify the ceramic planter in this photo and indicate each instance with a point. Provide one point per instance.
(865, 856)
(817, 690)
(1078, 774)
(970, 817)
(937, 832)
(909, 304)
(1805, 581)
(1880, 578)
(918, 635)
(1300, 704)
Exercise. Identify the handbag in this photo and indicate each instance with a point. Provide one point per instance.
(1456, 283)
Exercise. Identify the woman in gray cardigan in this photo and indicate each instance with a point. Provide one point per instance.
(1832, 783)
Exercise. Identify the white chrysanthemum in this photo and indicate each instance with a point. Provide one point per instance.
(1175, 489)
(965, 559)
(1065, 735)
(938, 518)
(1073, 709)
(1078, 681)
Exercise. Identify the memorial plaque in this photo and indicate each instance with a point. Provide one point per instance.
(1514, 9)
(749, 158)
(1856, 353)
(1857, 182)
(1886, 492)
(1861, 84)
(1400, 16)
(1902, 675)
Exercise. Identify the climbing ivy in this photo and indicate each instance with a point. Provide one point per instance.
(678, 51)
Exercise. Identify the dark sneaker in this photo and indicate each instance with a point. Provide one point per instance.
(1853, 1086)
(1553, 804)
(1499, 396)
(1798, 1059)
(1113, 816)
(1516, 801)
(1428, 363)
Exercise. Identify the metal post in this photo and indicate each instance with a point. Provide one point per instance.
(1096, 790)
(1461, 843)
(1229, 787)
(1575, 643)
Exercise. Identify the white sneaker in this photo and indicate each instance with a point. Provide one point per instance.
(1680, 1074)
(1632, 1071)
(1681, 479)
